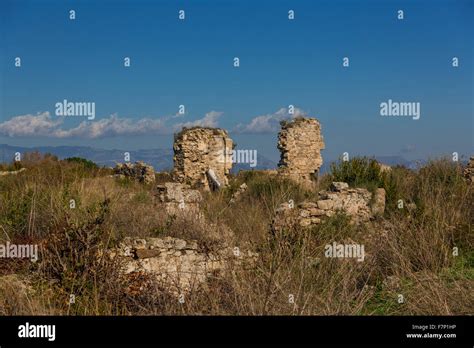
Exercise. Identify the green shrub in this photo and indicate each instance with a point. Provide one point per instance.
(82, 161)
(15, 212)
(440, 173)
(357, 172)
(366, 172)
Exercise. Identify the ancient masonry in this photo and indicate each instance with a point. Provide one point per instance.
(15, 172)
(139, 171)
(202, 157)
(300, 143)
(179, 198)
(238, 194)
(469, 171)
(178, 266)
(355, 202)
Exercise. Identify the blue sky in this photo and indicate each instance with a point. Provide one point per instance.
(282, 62)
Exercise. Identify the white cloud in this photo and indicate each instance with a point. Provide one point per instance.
(268, 123)
(40, 124)
(43, 124)
(113, 126)
(209, 120)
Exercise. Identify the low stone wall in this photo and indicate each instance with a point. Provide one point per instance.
(13, 172)
(355, 202)
(178, 198)
(139, 171)
(469, 170)
(177, 265)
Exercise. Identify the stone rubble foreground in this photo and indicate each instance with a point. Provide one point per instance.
(355, 202)
(177, 265)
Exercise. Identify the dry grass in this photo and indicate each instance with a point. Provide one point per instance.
(414, 247)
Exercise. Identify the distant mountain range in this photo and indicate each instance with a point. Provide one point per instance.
(160, 159)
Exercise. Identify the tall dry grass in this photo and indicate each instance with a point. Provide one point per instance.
(409, 249)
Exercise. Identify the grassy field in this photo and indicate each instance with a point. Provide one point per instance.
(419, 260)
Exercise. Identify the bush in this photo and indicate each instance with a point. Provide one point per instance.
(357, 172)
(366, 172)
(263, 187)
(82, 161)
(76, 261)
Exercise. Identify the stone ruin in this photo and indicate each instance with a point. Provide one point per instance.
(184, 203)
(237, 195)
(176, 265)
(357, 203)
(202, 157)
(13, 172)
(469, 170)
(300, 143)
(178, 198)
(139, 171)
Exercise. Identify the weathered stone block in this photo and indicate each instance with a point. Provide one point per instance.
(339, 186)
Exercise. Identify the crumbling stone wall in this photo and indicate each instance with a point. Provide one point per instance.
(201, 153)
(358, 203)
(237, 195)
(300, 143)
(469, 170)
(13, 172)
(184, 203)
(139, 171)
(178, 198)
(177, 265)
